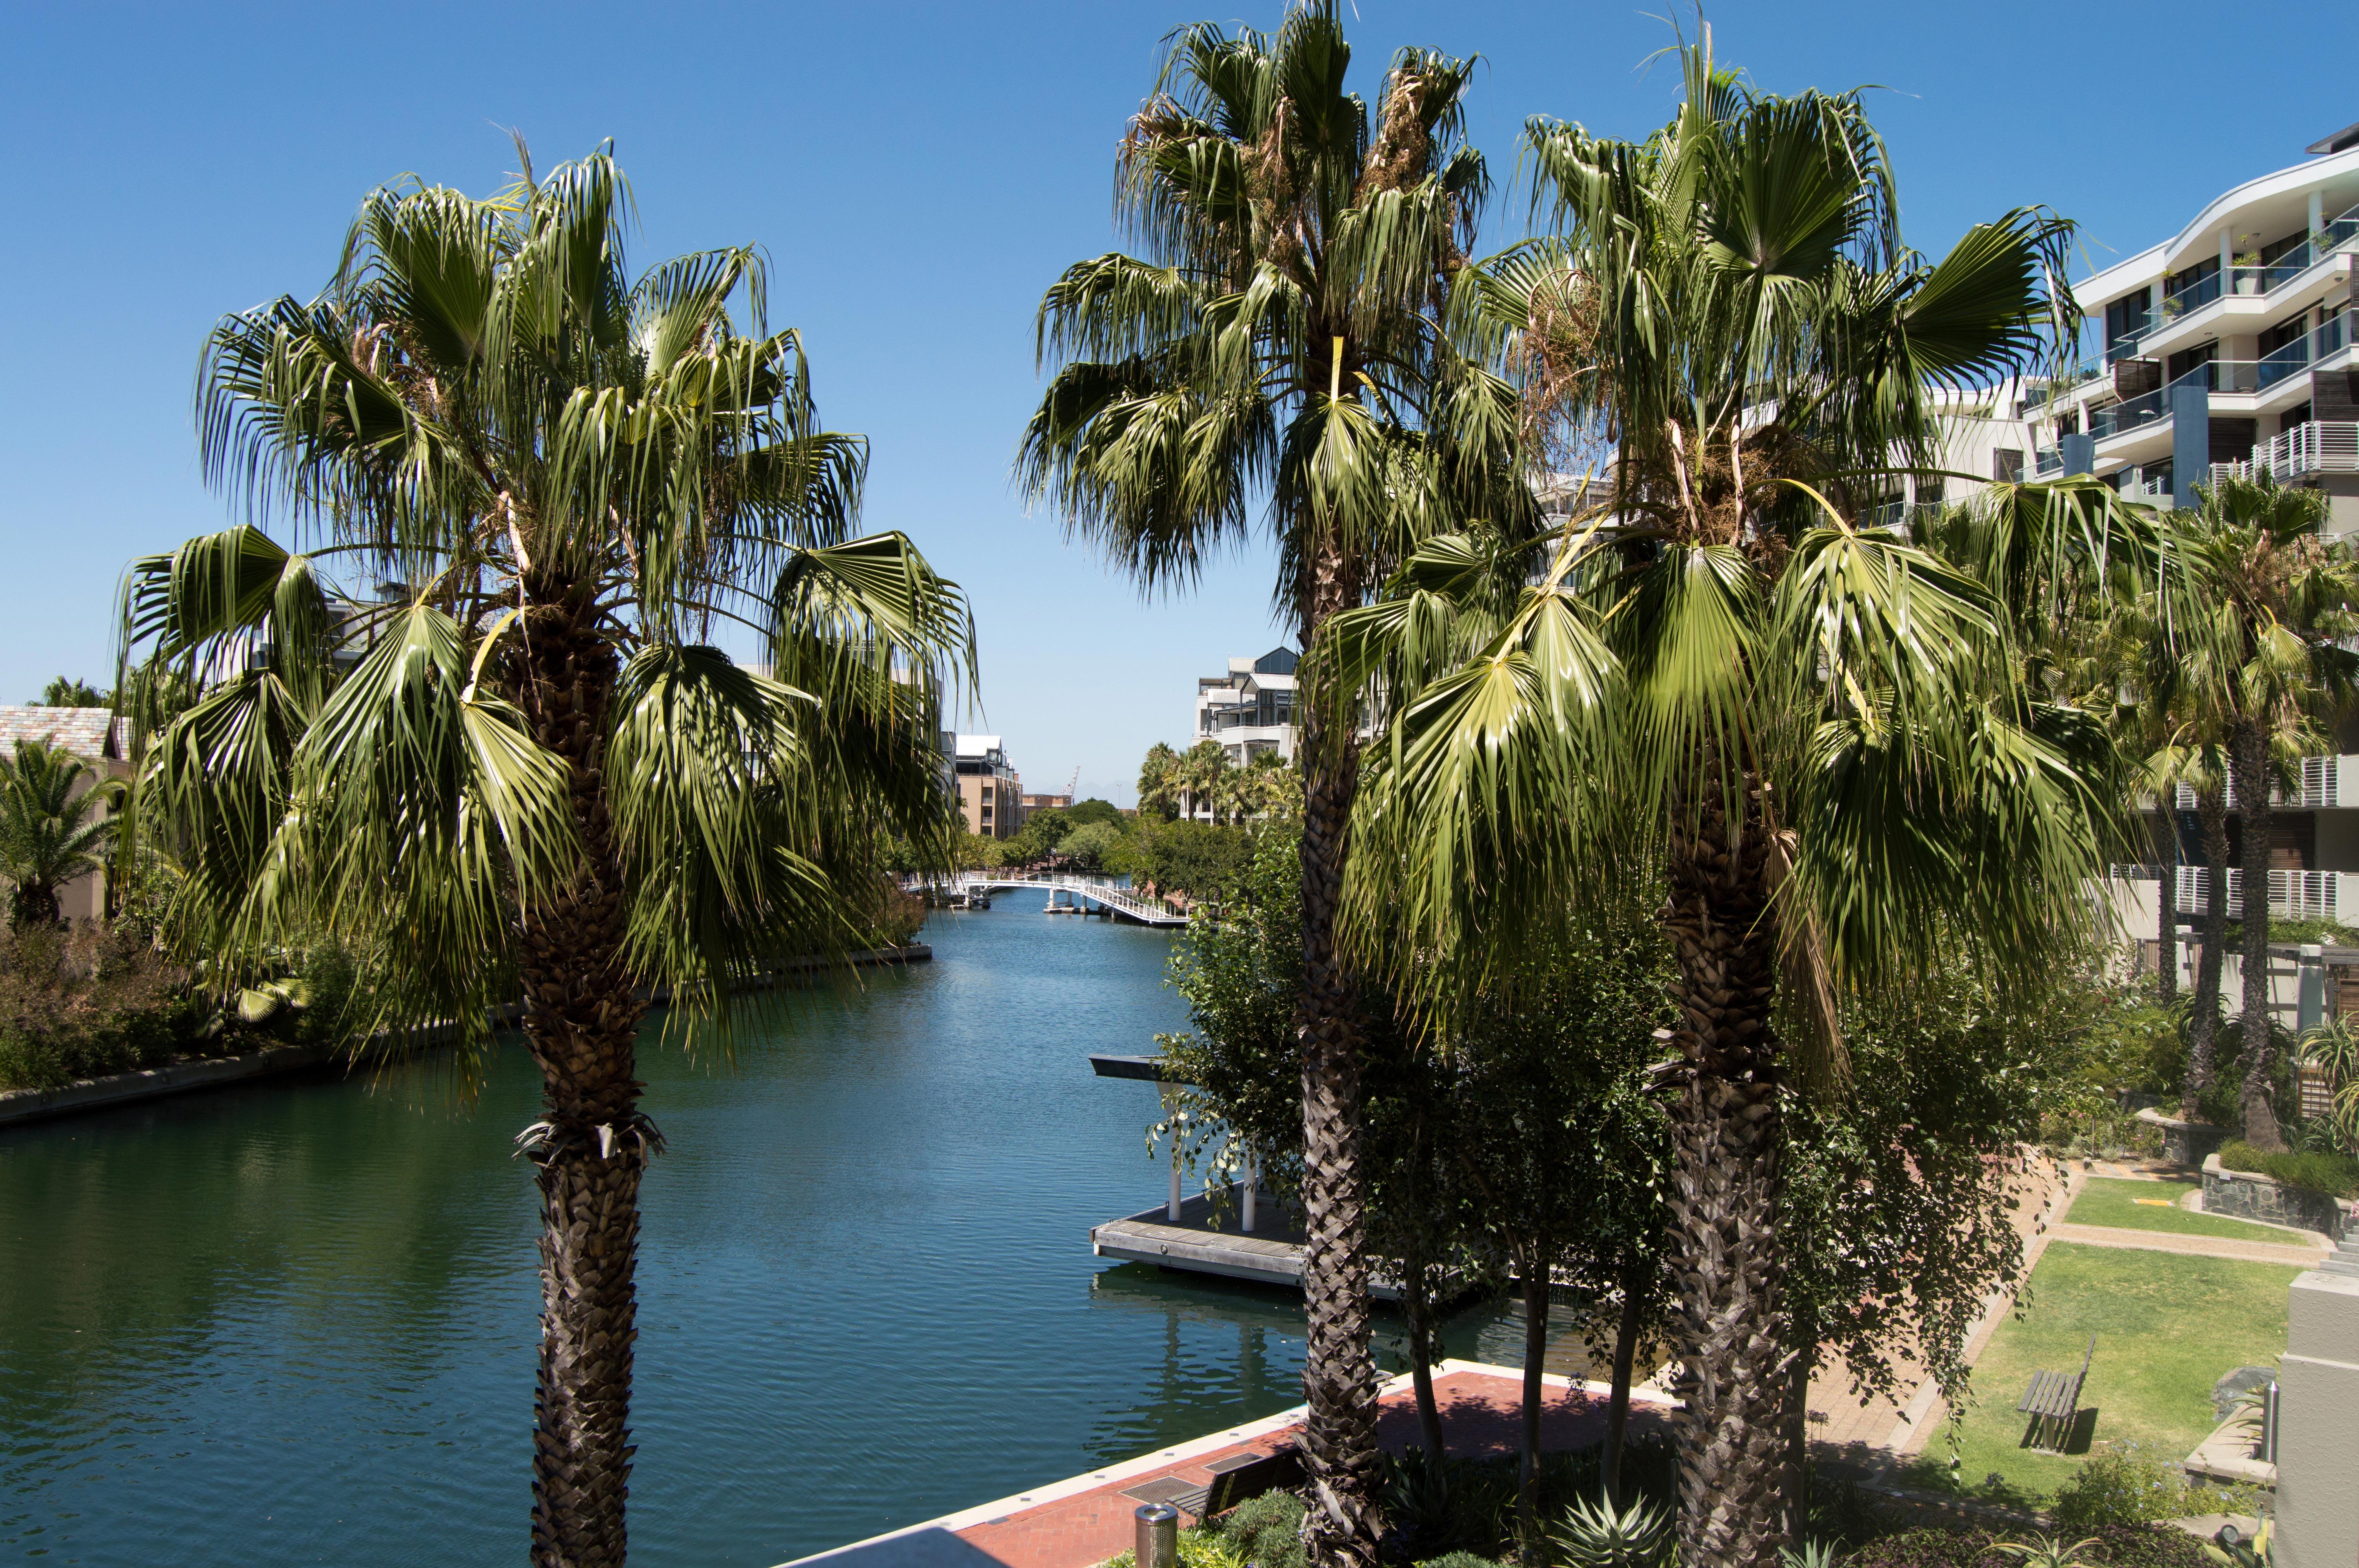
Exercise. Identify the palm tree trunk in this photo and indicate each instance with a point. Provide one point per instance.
(2250, 762)
(2166, 906)
(581, 1022)
(1617, 1404)
(1535, 1268)
(1726, 1185)
(2203, 1016)
(1797, 1428)
(1339, 1377)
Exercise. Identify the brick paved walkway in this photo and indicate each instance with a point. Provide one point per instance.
(1086, 1519)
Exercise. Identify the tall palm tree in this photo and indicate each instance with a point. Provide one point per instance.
(49, 834)
(1830, 742)
(1159, 781)
(2268, 603)
(1282, 335)
(517, 762)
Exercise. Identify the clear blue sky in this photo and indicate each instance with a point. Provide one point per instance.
(918, 175)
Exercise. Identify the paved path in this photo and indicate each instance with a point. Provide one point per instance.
(1086, 1519)
(2300, 1255)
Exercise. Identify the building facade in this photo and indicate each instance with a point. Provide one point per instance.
(94, 735)
(990, 792)
(1249, 710)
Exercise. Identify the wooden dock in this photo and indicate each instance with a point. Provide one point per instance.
(1271, 1254)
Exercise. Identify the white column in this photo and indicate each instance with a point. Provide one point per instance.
(2318, 1424)
(1253, 1181)
(2317, 212)
(2227, 255)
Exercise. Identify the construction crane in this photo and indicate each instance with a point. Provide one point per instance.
(1072, 784)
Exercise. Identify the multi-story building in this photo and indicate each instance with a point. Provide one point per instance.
(1033, 803)
(990, 792)
(1250, 711)
(2226, 346)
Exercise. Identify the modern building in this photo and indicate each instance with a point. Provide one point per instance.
(1033, 803)
(1250, 711)
(990, 792)
(2226, 346)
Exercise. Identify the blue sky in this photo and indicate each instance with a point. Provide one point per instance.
(918, 175)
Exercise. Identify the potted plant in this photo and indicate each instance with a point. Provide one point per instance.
(2248, 276)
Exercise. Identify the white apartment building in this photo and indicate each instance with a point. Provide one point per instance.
(1249, 710)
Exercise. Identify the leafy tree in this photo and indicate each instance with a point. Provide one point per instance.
(1092, 846)
(1096, 810)
(1824, 739)
(1284, 334)
(50, 833)
(535, 770)
(1201, 860)
(2263, 606)
(64, 693)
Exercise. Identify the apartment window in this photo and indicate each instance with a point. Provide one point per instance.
(2125, 317)
(2006, 463)
(2297, 414)
(2290, 330)
(2189, 360)
(2178, 282)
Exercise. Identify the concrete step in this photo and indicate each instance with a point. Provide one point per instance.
(2347, 1266)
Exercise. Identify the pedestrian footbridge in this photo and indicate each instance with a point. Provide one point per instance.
(1064, 890)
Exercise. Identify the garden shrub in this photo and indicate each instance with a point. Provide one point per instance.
(84, 1002)
(2111, 1546)
(1198, 1549)
(2121, 1485)
(1459, 1560)
(2336, 1175)
(1266, 1531)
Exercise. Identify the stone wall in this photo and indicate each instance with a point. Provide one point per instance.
(2248, 1195)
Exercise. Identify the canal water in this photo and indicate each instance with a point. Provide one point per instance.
(293, 1321)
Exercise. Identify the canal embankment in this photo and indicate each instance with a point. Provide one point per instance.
(191, 1074)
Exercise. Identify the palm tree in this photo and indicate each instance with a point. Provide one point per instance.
(1829, 742)
(1283, 333)
(516, 764)
(48, 837)
(1158, 782)
(2266, 603)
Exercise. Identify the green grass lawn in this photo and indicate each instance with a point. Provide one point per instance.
(2168, 1326)
(2107, 1201)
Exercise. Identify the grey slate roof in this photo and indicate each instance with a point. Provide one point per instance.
(87, 732)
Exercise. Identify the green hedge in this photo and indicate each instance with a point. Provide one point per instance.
(86, 1002)
(2336, 1175)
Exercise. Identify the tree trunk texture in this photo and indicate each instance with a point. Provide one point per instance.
(1617, 1404)
(2166, 906)
(2204, 1013)
(2252, 761)
(1529, 1545)
(582, 1024)
(1726, 1190)
(1342, 1526)
(1798, 1431)
(1418, 1308)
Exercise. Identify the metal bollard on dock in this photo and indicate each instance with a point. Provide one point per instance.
(1157, 1542)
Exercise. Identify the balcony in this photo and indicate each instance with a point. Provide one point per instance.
(2326, 785)
(2293, 895)
(2120, 418)
(2305, 451)
(2254, 283)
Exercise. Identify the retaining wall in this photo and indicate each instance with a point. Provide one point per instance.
(2248, 1195)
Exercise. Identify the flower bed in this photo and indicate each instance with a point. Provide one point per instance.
(2255, 1194)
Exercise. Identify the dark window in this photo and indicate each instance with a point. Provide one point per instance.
(2208, 267)
(2124, 317)
(2005, 462)
(2297, 414)
(2286, 331)
(2187, 360)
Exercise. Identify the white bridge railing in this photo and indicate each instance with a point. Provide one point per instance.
(1126, 900)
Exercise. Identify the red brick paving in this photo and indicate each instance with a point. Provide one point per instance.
(1482, 1413)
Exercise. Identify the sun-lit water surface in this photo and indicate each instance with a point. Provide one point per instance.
(293, 1323)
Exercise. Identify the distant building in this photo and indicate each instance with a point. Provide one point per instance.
(990, 793)
(1033, 803)
(1249, 710)
(94, 735)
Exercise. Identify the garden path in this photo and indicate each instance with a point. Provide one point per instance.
(2301, 1254)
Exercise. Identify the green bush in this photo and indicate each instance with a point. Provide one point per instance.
(83, 1003)
(1459, 1560)
(2121, 1485)
(1266, 1531)
(2112, 1546)
(2336, 1175)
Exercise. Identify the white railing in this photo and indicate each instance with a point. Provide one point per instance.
(2327, 446)
(2293, 895)
(1102, 890)
(2322, 787)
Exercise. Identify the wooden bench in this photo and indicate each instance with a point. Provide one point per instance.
(1238, 1477)
(2053, 1402)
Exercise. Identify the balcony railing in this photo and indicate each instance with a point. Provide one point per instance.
(2329, 446)
(2119, 418)
(2293, 895)
(2341, 234)
(2320, 789)
(2036, 395)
